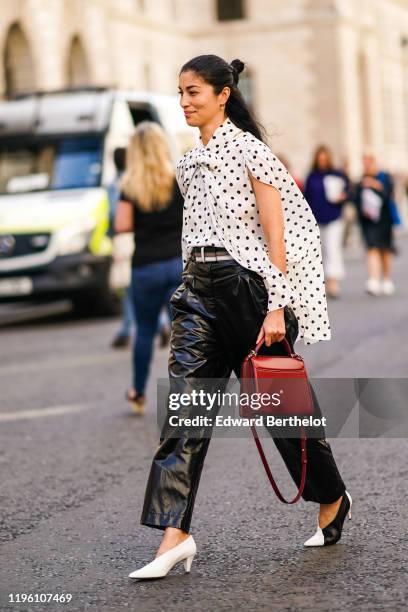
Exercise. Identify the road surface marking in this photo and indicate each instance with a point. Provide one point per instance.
(6, 417)
(72, 362)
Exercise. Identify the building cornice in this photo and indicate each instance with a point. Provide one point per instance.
(243, 28)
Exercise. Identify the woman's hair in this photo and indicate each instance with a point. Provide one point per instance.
(149, 177)
(318, 150)
(217, 72)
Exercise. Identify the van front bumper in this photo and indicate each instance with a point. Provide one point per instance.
(66, 277)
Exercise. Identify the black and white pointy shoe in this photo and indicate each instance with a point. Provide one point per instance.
(332, 532)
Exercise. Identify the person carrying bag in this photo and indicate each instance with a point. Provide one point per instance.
(252, 271)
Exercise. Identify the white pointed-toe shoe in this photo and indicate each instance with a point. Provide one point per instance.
(160, 567)
(332, 532)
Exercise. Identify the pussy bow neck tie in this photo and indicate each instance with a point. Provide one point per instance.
(207, 159)
(204, 158)
(201, 163)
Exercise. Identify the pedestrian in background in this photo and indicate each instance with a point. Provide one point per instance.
(374, 202)
(122, 336)
(326, 190)
(151, 206)
(242, 283)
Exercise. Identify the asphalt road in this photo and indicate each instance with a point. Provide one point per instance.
(74, 465)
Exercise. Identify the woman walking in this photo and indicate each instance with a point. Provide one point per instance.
(373, 195)
(151, 205)
(241, 282)
(326, 190)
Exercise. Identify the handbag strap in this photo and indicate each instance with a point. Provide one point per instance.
(269, 473)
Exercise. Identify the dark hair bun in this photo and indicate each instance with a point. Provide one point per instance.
(237, 67)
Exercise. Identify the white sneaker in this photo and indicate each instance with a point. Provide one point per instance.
(373, 286)
(159, 567)
(387, 287)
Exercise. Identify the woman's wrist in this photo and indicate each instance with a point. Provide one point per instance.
(276, 310)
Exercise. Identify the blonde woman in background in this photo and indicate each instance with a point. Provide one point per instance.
(151, 206)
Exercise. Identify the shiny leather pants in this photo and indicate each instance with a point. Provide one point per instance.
(217, 313)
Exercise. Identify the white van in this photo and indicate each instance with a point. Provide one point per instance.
(56, 162)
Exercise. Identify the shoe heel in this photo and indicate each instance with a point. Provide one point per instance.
(351, 503)
(187, 563)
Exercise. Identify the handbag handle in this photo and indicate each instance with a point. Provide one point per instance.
(284, 343)
(269, 473)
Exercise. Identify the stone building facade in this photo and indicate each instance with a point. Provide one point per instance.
(319, 71)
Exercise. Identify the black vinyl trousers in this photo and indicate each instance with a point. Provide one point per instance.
(217, 313)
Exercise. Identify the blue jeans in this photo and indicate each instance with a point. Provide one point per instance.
(127, 321)
(152, 287)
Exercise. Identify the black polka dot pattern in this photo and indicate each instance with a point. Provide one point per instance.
(220, 210)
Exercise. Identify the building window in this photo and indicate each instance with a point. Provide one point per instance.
(18, 63)
(230, 9)
(78, 68)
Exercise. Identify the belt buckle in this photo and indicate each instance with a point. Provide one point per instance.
(202, 254)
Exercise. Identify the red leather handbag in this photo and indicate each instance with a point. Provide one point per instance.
(285, 380)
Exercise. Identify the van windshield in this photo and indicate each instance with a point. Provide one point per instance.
(62, 163)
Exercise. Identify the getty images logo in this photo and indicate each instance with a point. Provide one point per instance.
(258, 400)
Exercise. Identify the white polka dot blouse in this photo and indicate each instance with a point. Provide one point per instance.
(220, 209)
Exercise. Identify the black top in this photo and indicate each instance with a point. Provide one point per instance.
(157, 233)
(377, 234)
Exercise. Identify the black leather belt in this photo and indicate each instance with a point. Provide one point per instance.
(210, 253)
